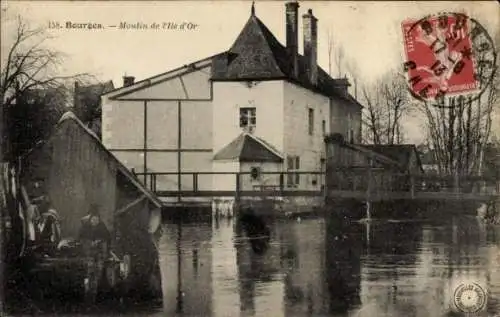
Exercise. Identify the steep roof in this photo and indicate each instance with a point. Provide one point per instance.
(72, 118)
(249, 148)
(398, 152)
(256, 54)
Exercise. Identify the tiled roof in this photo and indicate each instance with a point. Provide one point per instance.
(257, 55)
(248, 148)
(397, 152)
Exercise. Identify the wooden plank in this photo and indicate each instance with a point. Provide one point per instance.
(130, 205)
(217, 193)
(378, 196)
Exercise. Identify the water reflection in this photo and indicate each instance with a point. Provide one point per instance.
(325, 267)
(329, 267)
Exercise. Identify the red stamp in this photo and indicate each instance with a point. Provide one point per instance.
(440, 56)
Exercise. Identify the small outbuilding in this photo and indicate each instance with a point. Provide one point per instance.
(74, 170)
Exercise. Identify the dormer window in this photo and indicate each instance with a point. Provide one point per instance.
(248, 118)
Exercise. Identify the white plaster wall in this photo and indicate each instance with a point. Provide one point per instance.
(227, 181)
(340, 122)
(265, 180)
(123, 128)
(266, 97)
(122, 124)
(297, 141)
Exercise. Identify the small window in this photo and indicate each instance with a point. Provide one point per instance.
(311, 120)
(323, 127)
(255, 173)
(248, 117)
(293, 164)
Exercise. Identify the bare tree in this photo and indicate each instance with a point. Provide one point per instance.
(386, 103)
(29, 74)
(459, 130)
(330, 52)
(335, 53)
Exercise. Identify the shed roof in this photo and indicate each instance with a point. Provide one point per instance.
(249, 148)
(398, 152)
(71, 118)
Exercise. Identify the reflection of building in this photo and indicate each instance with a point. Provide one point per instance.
(343, 245)
(224, 270)
(184, 120)
(260, 285)
(193, 276)
(304, 268)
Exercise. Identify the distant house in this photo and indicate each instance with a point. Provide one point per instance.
(406, 155)
(491, 166)
(37, 110)
(260, 105)
(429, 163)
(349, 164)
(87, 103)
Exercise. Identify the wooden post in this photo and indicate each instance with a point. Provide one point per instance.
(180, 296)
(238, 192)
(412, 186)
(282, 183)
(368, 190)
(195, 182)
(145, 145)
(179, 147)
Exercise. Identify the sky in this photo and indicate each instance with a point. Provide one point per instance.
(368, 31)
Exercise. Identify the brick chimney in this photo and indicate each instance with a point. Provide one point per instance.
(311, 45)
(128, 80)
(292, 24)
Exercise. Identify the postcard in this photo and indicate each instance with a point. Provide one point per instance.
(250, 158)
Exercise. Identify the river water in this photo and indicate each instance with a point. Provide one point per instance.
(314, 268)
(311, 268)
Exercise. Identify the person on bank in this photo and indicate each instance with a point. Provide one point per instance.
(95, 238)
(50, 229)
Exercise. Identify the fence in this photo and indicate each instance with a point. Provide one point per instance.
(379, 184)
(362, 182)
(199, 184)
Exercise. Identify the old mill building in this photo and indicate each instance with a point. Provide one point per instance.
(259, 105)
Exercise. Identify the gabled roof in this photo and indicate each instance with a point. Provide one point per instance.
(72, 118)
(256, 54)
(249, 148)
(150, 81)
(398, 152)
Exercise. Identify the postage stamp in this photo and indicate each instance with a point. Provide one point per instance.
(447, 54)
